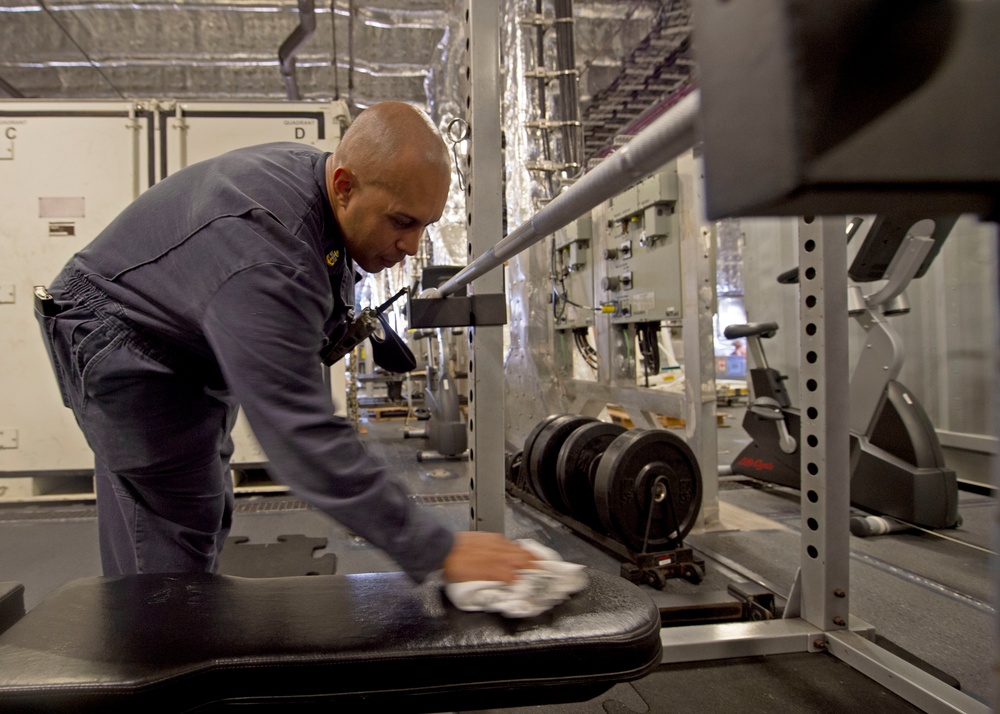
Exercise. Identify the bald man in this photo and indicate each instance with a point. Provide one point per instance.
(219, 287)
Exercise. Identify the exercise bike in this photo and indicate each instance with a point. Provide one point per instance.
(897, 465)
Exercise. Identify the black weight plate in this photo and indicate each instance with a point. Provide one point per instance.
(544, 454)
(525, 475)
(576, 468)
(623, 489)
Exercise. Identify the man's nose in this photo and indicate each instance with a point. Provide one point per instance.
(410, 242)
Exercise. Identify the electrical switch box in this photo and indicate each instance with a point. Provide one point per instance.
(642, 252)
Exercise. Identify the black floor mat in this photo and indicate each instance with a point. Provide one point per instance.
(291, 555)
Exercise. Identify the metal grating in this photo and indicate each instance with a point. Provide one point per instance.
(47, 513)
(267, 504)
(270, 505)
(430, 499)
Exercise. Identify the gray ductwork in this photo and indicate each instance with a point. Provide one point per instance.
(300, 35)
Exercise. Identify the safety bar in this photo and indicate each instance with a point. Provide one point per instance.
(663, 140)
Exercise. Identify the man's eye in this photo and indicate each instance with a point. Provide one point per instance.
(401, 223)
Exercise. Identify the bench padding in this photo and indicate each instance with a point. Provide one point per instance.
(175, 643)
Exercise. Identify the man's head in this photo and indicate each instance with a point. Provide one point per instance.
(388, 180)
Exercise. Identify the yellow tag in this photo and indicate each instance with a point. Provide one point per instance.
(332, 257)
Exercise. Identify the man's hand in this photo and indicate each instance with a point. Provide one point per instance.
(478, 555)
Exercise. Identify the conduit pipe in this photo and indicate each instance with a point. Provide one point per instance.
(300, 35)
(664, 139)
(10, 90)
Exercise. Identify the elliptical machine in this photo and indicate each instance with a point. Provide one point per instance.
(897, 465)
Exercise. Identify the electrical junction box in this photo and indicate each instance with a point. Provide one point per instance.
(641, 251)
(660, 188)
(573, 275)
(573, 245)
(67, 169)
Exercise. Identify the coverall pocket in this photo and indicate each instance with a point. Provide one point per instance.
(72, 340)
(92, 342)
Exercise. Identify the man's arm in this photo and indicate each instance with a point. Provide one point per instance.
(265, 326)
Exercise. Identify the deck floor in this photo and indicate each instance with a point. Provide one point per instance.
(929, 593)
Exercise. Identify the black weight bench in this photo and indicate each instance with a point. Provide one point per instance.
(179, 643)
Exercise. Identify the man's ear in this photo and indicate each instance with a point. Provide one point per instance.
(343, 183)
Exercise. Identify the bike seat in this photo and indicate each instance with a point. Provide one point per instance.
(754, 329)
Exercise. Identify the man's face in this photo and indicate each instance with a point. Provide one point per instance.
(383, 222)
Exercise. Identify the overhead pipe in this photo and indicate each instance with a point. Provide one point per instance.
(350, 48)
(300, 35)
(666, 138)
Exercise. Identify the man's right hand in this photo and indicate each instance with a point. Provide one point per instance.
(478, 555)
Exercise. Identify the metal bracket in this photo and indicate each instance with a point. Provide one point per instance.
(472, 311)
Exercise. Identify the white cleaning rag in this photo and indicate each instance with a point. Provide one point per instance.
(535, 590)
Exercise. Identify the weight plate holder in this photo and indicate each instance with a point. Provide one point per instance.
(576, 468)
(648, 490)
(541, 460)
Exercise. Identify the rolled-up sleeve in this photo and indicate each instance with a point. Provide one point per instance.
(264, 325)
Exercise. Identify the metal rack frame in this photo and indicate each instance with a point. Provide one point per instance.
(817, 618)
